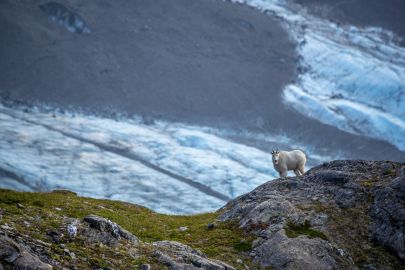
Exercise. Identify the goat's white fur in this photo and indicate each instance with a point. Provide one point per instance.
(284, 161)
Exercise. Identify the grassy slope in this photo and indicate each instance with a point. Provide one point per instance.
(40, 214)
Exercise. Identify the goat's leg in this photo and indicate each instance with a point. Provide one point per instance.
(297, 172)
(283, 174)
(301, 169)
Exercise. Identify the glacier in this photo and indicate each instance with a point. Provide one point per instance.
(350, 77)
(169, 167)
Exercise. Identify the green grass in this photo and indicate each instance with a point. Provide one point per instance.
(294, 230)
(243, 246)
(47, 211)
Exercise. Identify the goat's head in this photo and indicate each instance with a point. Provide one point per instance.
(275, 156)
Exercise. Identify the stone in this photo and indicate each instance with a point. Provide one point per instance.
(6, 227)
(55, 236)
(144, 267)
(183, 229)
(108, 229)
(281, 252)
(72, 229)
(71, 254)
(16, 256)
(19, 205)
(176, 255)
(211, 226)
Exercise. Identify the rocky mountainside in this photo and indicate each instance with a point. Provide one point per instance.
(339, 215)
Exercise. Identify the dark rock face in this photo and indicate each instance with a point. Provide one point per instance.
(332, 177)
(339, 200)
(388, 212)
(15, 256)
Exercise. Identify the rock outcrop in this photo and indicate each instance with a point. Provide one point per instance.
(96, 230)
(17, 256)
(339, 215)
(106, 231)
(330, 218)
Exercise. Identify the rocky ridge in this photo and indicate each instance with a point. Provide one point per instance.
(339, 215)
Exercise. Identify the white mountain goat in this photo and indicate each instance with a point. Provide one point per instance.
(284, 161)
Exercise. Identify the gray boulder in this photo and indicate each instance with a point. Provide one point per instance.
(282, 252)
(105, 231)
(178, 256)
(15, 256)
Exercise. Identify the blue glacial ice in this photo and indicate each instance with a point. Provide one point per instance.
(352, 78)
(168, 167)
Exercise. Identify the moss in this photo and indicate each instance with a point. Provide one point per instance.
(369, 183)
(12, 198)
(65, 192)
(354, 237)
(48, 211)
(294, 230)
(390, 172)
(243, 246)
(38, 203)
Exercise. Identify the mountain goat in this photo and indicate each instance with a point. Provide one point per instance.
(284, 161)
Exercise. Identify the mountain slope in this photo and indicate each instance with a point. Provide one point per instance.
(340, 215)
(211, 63)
